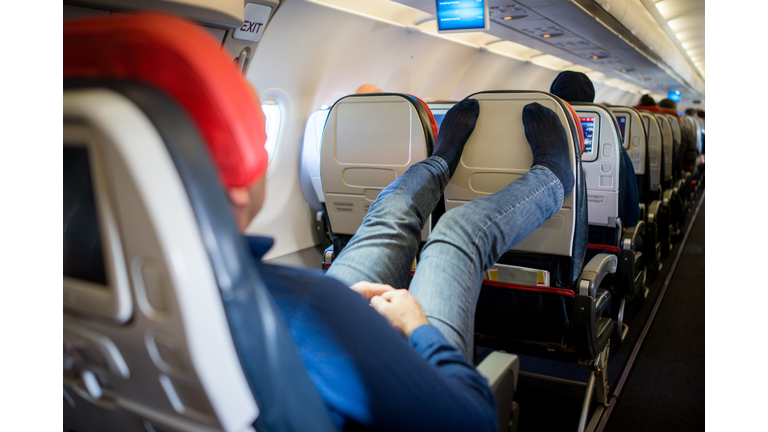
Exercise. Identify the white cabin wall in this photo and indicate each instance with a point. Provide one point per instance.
(628, 99)
(313, 53)
(487, 72)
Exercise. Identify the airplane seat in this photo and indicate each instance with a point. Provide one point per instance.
(657, 212)
(681, 177)
(539, 299)
(634, 140)
(167, 325)
(312, 187)
(671, 193)
(602, 164)
(368, 142)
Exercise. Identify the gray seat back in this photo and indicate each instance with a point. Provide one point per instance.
(634, 138)
(497, 153)
(310, 154)
(368, 142)
(601, 161)
(149, 346)
(653, 132)
(667, 148)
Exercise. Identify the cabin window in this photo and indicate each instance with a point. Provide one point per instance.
(273, 116)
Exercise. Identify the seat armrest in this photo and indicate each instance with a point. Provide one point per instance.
(501, 371)
(654, 209)
(328, 256)
(629, 239)
(667, 196)
(642, 211)
(593, 273)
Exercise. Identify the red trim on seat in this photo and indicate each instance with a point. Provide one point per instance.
(550, 290)
(431, 117)
(578, 124)
(185, 62)
(614, 249)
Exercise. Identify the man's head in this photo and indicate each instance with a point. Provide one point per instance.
(368, 88)
(573, 87)
(668, 103)
(197, 74)
(247, 197)
(647, 100)
(690, 111)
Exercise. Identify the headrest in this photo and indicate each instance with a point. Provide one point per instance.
(573, 87)
(576, 119)
(670, 111)
(648, 108)
(433, 122)
(183, 61)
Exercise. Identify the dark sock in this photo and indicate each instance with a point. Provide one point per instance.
(549, 143)
(457, 126)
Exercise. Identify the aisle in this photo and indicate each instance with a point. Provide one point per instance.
(665, 390)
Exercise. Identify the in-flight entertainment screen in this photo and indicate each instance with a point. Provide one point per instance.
(588, 125)
(622, 125)
(462, 15)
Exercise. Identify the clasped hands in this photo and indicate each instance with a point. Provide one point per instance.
(398, 306)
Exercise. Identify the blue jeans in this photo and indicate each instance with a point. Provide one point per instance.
(465, 243)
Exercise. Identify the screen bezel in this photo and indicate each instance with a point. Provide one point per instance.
(627, 121)
(486, 21)
(113, 300)
(591, 156)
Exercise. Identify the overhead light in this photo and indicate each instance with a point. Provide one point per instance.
(507, 18)
(624, 70)
(546, 35)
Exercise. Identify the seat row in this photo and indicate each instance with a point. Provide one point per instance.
(561, 292)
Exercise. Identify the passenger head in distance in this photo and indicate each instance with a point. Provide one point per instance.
(368, 88)
(647, 100)
(573, 86)
(690, 112)
(668, 103)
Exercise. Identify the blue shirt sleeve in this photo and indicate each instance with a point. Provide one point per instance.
(370, 377)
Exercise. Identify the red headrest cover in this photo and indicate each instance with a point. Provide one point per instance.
(182, 60)
(653, 109)
(578, 123)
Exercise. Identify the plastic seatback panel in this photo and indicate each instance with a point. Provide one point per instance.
(369, 141)
(636, 139)
(654, 149)
(310, 153)
(668, 142)
(497, 153)
(602, 165)
(196, 387)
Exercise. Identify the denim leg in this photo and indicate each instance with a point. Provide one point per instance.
(468, 240)
(383, 248)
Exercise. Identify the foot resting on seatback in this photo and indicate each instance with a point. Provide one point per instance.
(548, 142)
(454, 132)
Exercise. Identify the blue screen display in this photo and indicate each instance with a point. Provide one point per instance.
(674, 96)
(460, 15)
(622, 125)
(439, 119)
(588, 126)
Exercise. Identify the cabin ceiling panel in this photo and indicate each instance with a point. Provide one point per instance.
(565, 29)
